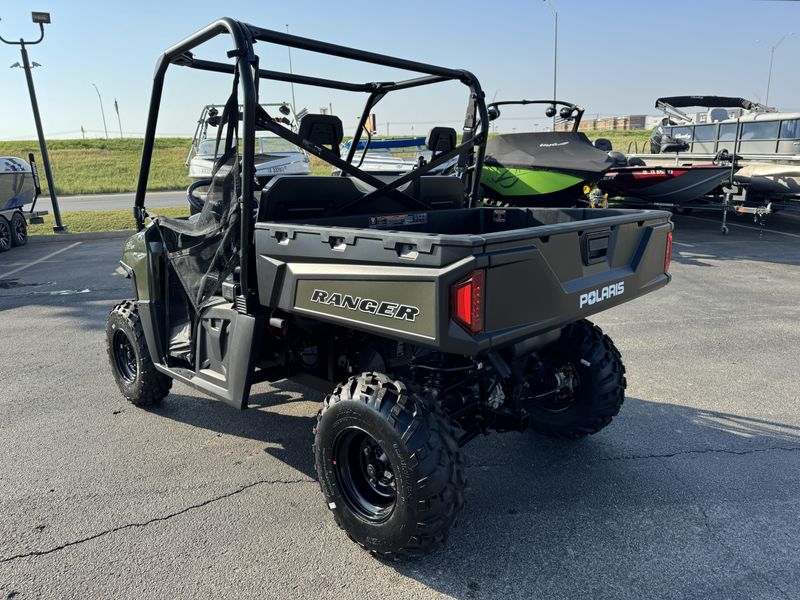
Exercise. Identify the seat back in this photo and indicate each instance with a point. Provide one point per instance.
(441, 140)
(322, 130)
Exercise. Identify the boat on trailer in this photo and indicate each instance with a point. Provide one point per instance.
(548, 168)
(763, 142)
(388, 158)
(17, 185)
(274, 155)
(664, 187)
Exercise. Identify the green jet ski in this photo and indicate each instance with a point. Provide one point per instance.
(542, 168)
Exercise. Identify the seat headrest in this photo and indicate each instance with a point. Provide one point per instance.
(603, 144)
(323, 130)
(441, 139)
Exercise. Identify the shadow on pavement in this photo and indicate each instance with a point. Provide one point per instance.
(279, 418)
(550, 518)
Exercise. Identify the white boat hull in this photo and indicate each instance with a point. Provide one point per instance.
(17, 187)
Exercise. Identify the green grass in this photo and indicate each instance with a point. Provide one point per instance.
(100, 220)
(101, 166)
(621, 139)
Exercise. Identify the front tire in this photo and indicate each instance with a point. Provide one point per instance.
(588, 358)
(131, 364)
(390, 469)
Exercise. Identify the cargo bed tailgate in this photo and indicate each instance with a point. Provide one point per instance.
(548, 281)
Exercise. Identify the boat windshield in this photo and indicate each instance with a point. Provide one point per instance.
(264, 145)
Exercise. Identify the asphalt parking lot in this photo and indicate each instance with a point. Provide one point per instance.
(693, 491)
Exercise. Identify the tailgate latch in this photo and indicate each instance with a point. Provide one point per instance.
(594, 248)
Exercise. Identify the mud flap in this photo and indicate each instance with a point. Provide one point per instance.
(224, 353)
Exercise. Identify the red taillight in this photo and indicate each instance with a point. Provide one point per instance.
(466, 305)
(668, 257)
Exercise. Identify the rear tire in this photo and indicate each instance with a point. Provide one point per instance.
(133, 369)
(391, 471)
(5, 235)
(600, 389)
(19, 230)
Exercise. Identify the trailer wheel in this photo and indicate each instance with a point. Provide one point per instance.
(134, 372)
(19, 230)
(391, 471)
(590, 369)
(5, 235)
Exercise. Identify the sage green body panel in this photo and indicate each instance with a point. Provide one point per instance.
(134, 257)
(391, 294)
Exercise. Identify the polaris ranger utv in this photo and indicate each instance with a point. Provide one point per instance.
(427, 319)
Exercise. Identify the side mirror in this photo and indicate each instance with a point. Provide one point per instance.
(494, 112)
(551, 111)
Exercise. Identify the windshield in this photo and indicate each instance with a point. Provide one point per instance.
(264, 145)
(274, 144)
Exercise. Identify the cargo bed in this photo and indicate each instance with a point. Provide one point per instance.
(542, 268)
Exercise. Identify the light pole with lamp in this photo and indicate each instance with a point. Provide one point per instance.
(289, 50)
(41, 18)
(555, 54)
(102, 111)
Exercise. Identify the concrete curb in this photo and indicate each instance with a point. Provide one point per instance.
(81, 237)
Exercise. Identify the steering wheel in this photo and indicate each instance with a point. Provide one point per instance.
(196, 203)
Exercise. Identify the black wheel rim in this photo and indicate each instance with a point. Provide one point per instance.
(365, 475)
(5, 236)
(20, 230)
(125, 356)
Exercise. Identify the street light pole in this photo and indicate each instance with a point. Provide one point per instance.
(289, 49)
(102, 111)
(771, 58)
(41, 19)
(555, 55)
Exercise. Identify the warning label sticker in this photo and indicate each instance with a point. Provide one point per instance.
(391, 221)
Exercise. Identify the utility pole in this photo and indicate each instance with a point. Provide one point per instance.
(102, 111)
(41, 18)
(555, 55)
(289, 49)
(116, 108)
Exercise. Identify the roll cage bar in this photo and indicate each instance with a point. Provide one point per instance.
(569, 112)
(244, 36)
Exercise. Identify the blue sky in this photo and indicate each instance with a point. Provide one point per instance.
(615, 56)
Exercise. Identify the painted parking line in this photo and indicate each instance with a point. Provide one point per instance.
(38, 260)
(764, 229)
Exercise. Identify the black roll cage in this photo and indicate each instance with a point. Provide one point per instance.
(244, 36)
(575, 110)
